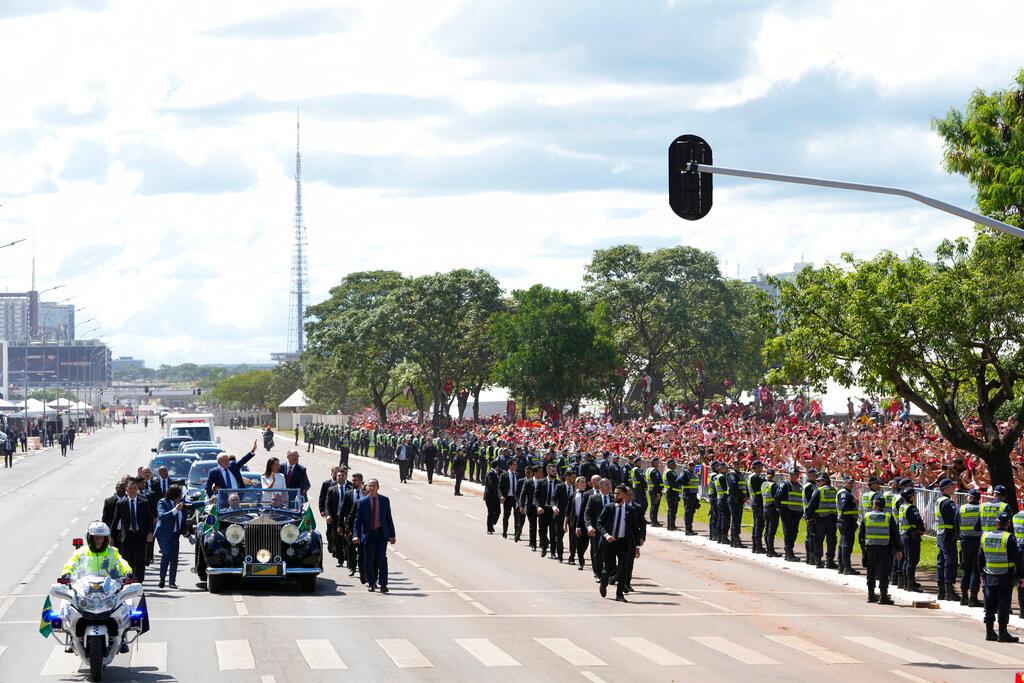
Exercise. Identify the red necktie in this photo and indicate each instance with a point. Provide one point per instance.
(373, 512)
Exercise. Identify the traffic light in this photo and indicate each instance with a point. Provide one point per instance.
(146, 389)
(689, 192)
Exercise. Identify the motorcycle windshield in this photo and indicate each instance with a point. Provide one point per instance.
(96, 593)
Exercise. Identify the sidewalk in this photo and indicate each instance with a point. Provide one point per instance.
(900, 596)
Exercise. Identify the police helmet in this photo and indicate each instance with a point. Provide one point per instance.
(878, 499)
(974, 495)
(999, 490)
(97, 536)
(770, 472)
(908, 492)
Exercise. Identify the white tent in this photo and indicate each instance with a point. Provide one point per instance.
(296, 400)
(35, 408)
(61, 403)
(8, 407)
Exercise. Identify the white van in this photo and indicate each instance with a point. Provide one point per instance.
(198, 426)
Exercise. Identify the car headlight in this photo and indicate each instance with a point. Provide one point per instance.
(289, 533)
(263, 556)
(235, 534)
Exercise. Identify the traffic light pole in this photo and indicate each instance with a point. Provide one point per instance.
(694, 167)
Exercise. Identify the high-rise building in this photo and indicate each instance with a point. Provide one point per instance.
(15, 316)
(56, 321)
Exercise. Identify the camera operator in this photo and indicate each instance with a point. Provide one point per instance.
(170, 526)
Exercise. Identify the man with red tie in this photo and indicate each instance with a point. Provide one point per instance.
(374, 530)
(295, 476)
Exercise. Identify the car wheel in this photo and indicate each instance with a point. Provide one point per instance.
(215, 583)
(308, 584)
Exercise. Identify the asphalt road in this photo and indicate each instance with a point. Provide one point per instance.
(463, 603)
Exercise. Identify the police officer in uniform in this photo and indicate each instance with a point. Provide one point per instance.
(736, 483)
(713, 500)
(993, 508)
(911, 527)
(724, 511)
(968, 521)
(754, 483)
(771, 512)
(878, 536)
(945, 539)
(865, 498)
(654, 489)
(825, 523)
(688, 481)
(810, 500)
(790, 499)
(847, 513)
(638, 481)
(1018, 535)
(673, 490)
(1001, 569)
(893, 501)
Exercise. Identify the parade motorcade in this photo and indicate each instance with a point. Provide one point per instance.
(177, 464)
(206, 450)
(197, 426)
(171, 444)
(258, 534)
(195, 485)
(101, 615)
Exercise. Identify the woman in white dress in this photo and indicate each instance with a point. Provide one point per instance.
(272, 478)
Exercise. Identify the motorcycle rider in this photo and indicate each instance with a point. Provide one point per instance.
(97, 556)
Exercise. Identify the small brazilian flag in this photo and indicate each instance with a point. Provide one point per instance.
(212, 517)
(45, 628)
(308, 522)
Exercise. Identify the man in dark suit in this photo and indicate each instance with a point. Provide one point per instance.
(109, 507)
(325, 485)
(295, 476)
(349, 505)
(429, 460)
(493, 498)
(526, 503)
(617, 528)
(133, 525)
(374, 530)
(595, 503)
(545, 500)
(556, 537)
(578, 538)
(333, 503)
(170, 526)
(507, 483)
(639, 538)
(228, 474)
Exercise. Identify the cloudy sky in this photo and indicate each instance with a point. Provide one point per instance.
(149, 146)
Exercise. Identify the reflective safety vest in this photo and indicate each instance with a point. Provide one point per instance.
(723, 485)
(673, 489)
(989, 512)
(712, 487)
(827, 501)
(649, 475)
(993, 544)
(903, 520)
(969, 521)
(766, 492)
(806, 497)
(865, 501)
(890, 501)
(941, 526)
(876, 527)
(638, 476)
(107, 561)
(847, 513)
(1018, 525)
(795, 500)
(743, 484)
(692, 486)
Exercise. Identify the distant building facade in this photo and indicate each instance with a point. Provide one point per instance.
(123, 362)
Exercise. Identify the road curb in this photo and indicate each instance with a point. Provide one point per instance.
(824, 575)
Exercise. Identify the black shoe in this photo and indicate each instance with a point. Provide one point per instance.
(384, 589)
(758, 551)
(603, 588)
(975, 602)
(884, 599)
(691, 533)
(990, 634)
(819, 565)
(622, 598)
(1005, 637)
(372, 589)
(851, 571)
(791, 558)
(580, 568)
(916, 589)
(124, 648)
(161, 584)
(963, 599)
(831, 565)
(543, 552)
(872, 597)
(173, 585)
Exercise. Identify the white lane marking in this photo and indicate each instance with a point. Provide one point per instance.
(84, 508)
(413, 563)
(150, 656)
(813, 649)
(909, 677)
(61, 663)
(416, 497)
(591, 676)
(320, 655)
(240, 607)
(480, 607)
(428, 572)
(3, 648)
(90, 500)
(466, 514)
(894, 650)
(487, 652)
(712, 605)
(404, 654)
(973, 650)
(72, 520)
(443, 582)
(7, 605)
(653, 652)
(731, 649)
(65, 532)
(404, 557)
(443, 507)
(462, 595)
(234, 654)
(571, 652)
(267, 679)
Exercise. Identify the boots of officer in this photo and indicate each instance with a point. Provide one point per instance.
(1005, 637)
(990, 631)
(884, 599)
(951, 593)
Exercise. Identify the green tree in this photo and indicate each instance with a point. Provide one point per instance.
(550, 349)
(357, 335)
(286, 378)
(247, 390)
(656, 302)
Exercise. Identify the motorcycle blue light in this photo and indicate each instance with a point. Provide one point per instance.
(49, 615)
(137, 613)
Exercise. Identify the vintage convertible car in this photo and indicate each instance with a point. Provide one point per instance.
(257, 534)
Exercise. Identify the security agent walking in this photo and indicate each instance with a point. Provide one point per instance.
(493, 498)
(1001, 569)
(878, 536)
(617, 528)
(968, 522)
(526, 502)
(911, 527)
(790, 499)
(546, 501)
(507, 482)
(755, 482)
(945, 539)
(771, 512)
(847, 513)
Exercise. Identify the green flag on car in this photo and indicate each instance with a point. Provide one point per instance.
(45, 627)
(308, 522)
(212, 517)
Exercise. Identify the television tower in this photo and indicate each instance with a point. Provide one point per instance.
(300, 284)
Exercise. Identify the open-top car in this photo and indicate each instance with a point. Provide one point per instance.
(177, 464)
(171, 444)
(258, 534)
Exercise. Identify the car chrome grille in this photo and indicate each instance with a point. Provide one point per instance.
(263, 532)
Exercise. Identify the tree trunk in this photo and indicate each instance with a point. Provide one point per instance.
(1001, 470)
(476, 404)
(463, 403)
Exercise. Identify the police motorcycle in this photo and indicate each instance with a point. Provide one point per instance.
(268, 438)
(103, 611)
